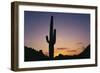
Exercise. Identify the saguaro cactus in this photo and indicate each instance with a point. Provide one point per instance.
(52, 39)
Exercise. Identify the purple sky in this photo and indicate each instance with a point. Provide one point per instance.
(73, 30)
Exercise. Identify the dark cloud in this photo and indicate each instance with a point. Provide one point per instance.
(79, 43)
(62, 48)
(71, 50)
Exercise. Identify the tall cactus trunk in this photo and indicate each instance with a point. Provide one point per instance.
(51, 51)
(52, 39)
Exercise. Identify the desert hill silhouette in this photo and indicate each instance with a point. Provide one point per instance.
(30, 54)
(85, 54)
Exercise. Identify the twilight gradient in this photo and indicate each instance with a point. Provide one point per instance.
(73, 31)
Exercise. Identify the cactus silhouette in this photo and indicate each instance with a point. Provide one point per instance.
(52, 39)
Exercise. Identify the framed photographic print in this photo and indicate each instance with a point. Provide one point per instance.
(52, 36)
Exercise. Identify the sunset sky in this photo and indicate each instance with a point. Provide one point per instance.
(72, 31)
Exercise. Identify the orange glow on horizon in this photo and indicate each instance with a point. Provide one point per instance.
(65, 51)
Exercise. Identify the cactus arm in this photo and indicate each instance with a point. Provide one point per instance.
(47, 39)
